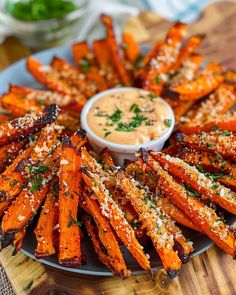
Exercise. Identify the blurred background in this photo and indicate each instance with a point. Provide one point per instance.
(41, 24)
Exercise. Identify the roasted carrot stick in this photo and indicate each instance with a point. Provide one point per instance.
(46, 223)
(223, 142)
(192, 43)
(107, 238)
(70, 184)
(198, 181)
(30, 123)
(200, 214)
(111, 41)
(155, 222)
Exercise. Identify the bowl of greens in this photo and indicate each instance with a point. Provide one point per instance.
(42, 23)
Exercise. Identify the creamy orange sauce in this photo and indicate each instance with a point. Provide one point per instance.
(129, 117)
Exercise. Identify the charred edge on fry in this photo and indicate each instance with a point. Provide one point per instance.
(50, 114)
(85, 171)
(183, 256)
(172, 273)
(180, 137)
(21, 166)
(144, 154)
(3, 195)
(81, 132)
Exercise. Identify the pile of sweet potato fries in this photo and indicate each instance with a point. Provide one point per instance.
(52, 177)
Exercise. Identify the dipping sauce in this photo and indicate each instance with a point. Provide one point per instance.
(129, 117)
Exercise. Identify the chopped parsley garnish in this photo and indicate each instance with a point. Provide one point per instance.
(14, 182)
(95, 182)
(73, 221)
(41, 101)
(128, 127)
(225, 133)
(209, 145)
(40, 169)
(84, 65)
(214, 128)
(116, 116)
(138, 61)
(203, 134)
(213, 176)
(157, 79)
(152, 96)
(151, 175)
(35, 186)
(135, 108)
(215, 186)
(190, 191)
(200, 168)
(168, 122)
(107, 133)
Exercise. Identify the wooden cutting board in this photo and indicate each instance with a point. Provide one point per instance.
(212, 272)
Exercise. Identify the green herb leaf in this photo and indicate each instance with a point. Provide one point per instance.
(116, 116)
(215, 186)
(107, 133)
(135, 108)
(152, 96)
(73, 221)
(190, 191)
(168, 122)
(157, 79)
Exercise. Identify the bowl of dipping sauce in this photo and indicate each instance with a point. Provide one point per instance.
(126, 119)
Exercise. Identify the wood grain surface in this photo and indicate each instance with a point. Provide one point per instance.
(212, 272)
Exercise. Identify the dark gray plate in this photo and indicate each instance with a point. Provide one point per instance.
(17, 74)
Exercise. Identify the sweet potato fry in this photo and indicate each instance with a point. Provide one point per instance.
(17, 106)
(206, 81)
(192, 43)
(206, 188)
(23, 208)
(200, 214)
(85, 60)
(107, 238)
(223, 122)
(111, 41)
(203, 160)
(113, 213)
(46, 223)
(104, 59)
(48, 77)
(222, 143)
(18, 240)
(146, 178)
(70, 184)
(155, 222)
(72, 76)
(9, 152)
(218, 103)
(98, 247)
(30, 123)
(21, 100)
(130, 47)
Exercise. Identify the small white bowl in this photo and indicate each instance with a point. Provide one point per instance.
(120, 152)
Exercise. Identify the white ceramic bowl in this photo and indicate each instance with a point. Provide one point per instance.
(120, 152)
